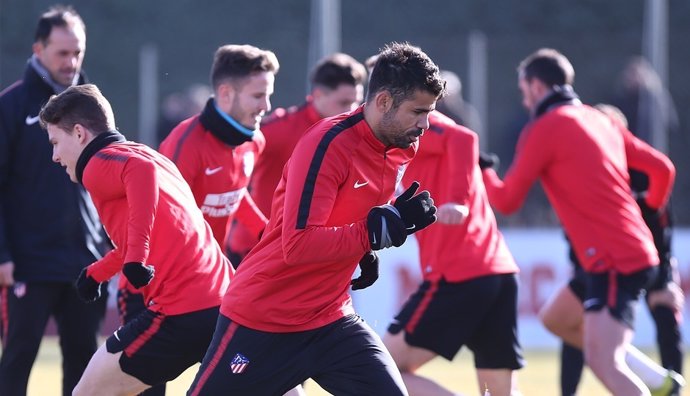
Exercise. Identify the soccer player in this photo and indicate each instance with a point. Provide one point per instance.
(463, 258)
(216, 150)
(287, 315)
(663, 296)
(49, 230)
(582, 160)
(163, 246)
(337, 86)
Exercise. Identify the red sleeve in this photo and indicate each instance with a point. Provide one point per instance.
(461, 158)
(107, 267)
(142, 191)
(531, 155)
(658, 167)
(316, 240)
(250, 215)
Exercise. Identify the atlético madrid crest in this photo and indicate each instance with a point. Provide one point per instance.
(19, 289)
(239, 363)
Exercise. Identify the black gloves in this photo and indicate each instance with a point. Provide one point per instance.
(138, 274)
(369, 271)
(488, 160)
(87, 288)
(417, 211)
(385, 227)
(389, 225)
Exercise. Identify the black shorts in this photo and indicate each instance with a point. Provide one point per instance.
(345, 357)
(480, 313)
(129, 304)
(578, 282)
(157, 348)
(618, 292)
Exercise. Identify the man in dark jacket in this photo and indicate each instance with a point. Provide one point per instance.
(49, 229)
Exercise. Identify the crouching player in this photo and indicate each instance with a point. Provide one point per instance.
(151, 216)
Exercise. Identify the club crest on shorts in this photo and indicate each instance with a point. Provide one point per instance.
(239, 363)
(19, 289)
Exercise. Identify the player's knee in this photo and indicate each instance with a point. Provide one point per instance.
(550, 321)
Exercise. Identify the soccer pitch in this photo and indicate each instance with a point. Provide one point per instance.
(540, 377)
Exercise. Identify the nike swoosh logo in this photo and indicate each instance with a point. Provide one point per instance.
(31, 120)
(358, 184)
(589, 303)
(210, 171)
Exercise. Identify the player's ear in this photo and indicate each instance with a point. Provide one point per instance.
(383, 101)
(80, 132)
(226, 90)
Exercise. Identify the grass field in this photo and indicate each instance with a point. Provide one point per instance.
(540, 377)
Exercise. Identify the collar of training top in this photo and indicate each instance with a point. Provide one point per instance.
(101, 140)
(560, 95)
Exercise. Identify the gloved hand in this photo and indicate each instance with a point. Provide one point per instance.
(488, 160)
(416, 211)
(385, 227)
(138, 274)
(369, 271)
(87, 288)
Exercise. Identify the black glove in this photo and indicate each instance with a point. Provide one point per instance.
(416, 211)
(385, 227)
(488, 160)
(87, 288)
(138, 274)
(369, 271)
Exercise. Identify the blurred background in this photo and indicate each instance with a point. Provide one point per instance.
(152, 58)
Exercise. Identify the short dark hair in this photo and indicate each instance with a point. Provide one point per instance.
(337, 69)
(370, 62)
(548, 66)
(79, 104)
(56, 16)
(402, 69)
(239, 61)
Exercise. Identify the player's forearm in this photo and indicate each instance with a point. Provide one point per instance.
(500, 195)
(325, 244)
(105, 268)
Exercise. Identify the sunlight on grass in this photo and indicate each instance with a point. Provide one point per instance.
(540, 377)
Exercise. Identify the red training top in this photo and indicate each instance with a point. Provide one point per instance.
(447, 165)
(582, 160)
(298, 276)
(218, 174)
(281, 130)
(150, 215)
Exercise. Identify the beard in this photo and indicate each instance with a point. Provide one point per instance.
(395, 134)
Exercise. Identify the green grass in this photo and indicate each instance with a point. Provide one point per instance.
(540, 377)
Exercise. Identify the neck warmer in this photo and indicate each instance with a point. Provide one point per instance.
(100, 141)
(559, 96)
(221, 126)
